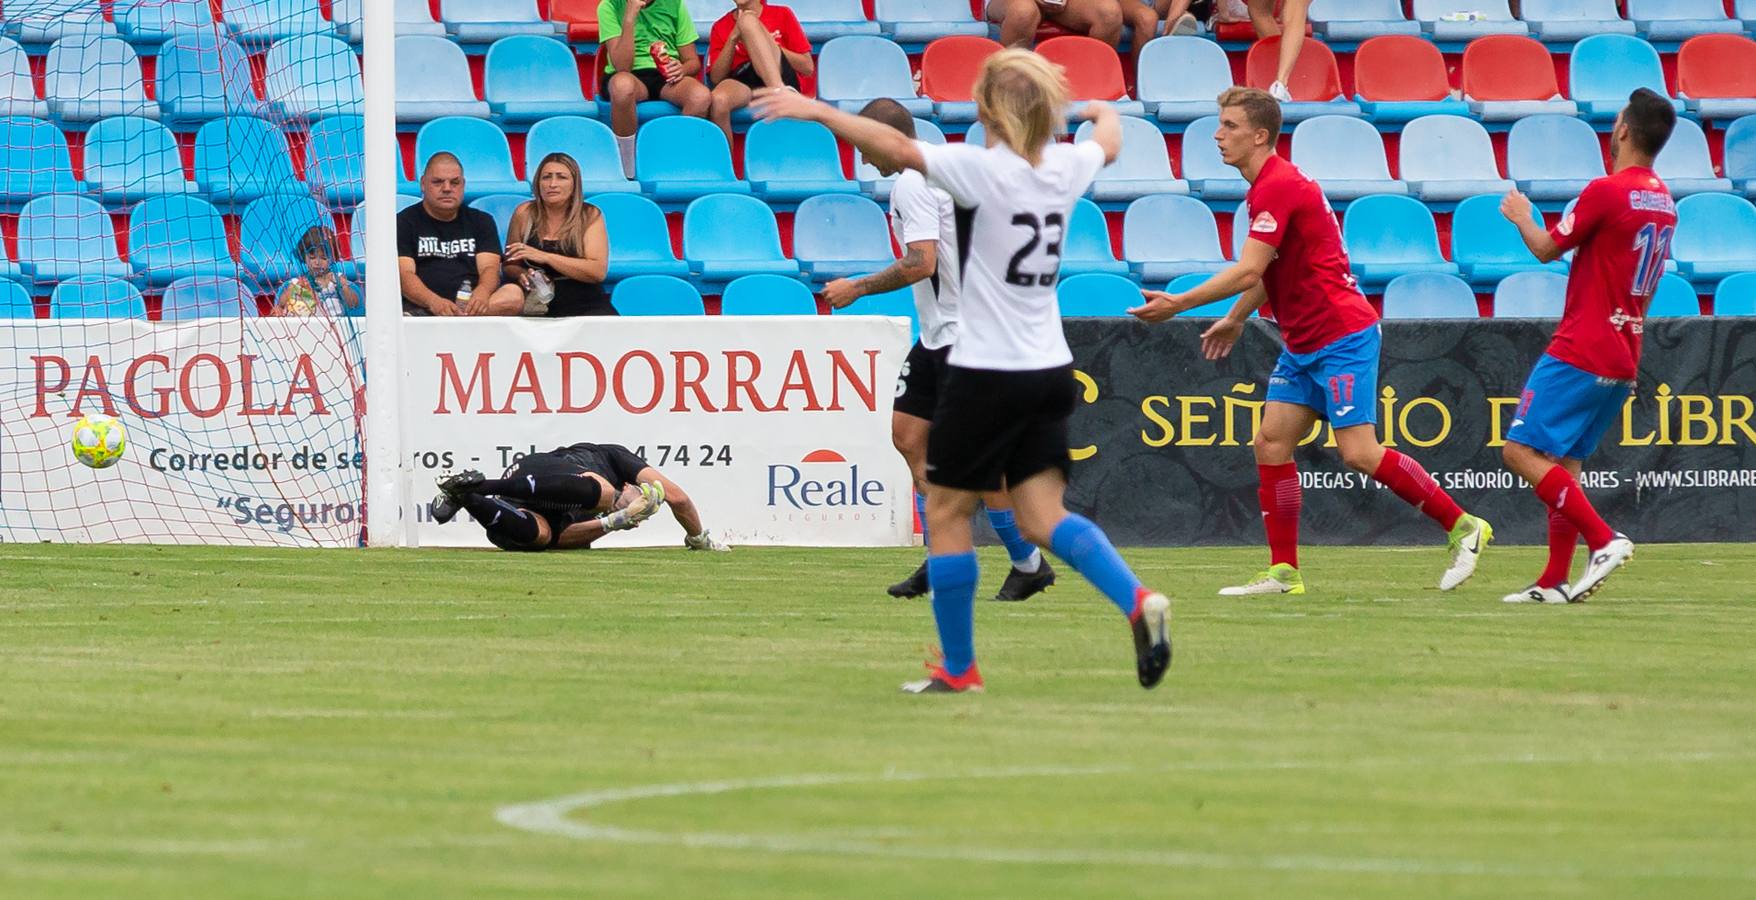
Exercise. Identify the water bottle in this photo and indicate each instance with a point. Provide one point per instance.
(541, 287)
(465, 291)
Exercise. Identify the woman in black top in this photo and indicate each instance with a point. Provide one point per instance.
(561, 236)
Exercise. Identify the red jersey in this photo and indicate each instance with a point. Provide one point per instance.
(1622, 226)
(780, 22)
(1311, 293)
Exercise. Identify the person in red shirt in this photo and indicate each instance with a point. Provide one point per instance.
(1294, 266)
(1622, 227)
(756, 45)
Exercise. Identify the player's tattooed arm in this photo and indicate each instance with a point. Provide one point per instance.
(918, 262)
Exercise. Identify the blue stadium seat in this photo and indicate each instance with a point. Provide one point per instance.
(1740, 154)
(1605, 68)
(1167, 236)
(1097, 294)
(433, 80)
(656, 295)
(486, 21)
(37, 162)
(1531, 295)
(1429, 295)
(1387, 236)
(415, 17)
(640, 241)
(679, 158)
(920, 21)
(899, 303)
(1716, 237)
(706, 12)
(726, 236)
(36, 23)
(838, 236)
(1207, 174)
(823, 20)
(15, 302)
(480, 146)
(1686, 165)
(404, 201)
(1180, 77)
(176, 237)
(349, 17)
(87, 79)
(207, 297)
(1492, 17)
(1085, 245)
(18, 93)
(1667, 21)
(529, 78)
(259, 23)
(854, 70)
(313, 76)
(1214, 310)
(96, 297)
(1351, 21)
(1448, 158)
(1675, 298)
(877, 183)
(268, 231)
(1487, 247)
(1736, 296)
(1566, 21)
(591, 144)
(240, 158)
(334, 153)
(1143, 167)
(129, 159)
(501, 207)
(1346, 156)
(788, 160)
(152, 22)
(1553, 157)
(63, 236)
(767, 295)
(204, 76)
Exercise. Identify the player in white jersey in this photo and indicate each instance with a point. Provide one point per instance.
(1002, 411)
(925, 223)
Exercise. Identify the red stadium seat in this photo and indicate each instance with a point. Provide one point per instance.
(580, 16)
(1400, 67)
(949, 67)
(1717, 67)
(1093, 70)
(1508, 67)
(1316, 78)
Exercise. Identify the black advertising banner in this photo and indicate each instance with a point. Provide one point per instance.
(1161, 439)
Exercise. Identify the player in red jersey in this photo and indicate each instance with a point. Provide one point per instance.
(1294, 265)
(1622, 227)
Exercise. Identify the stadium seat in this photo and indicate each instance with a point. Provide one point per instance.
(482, 149)
(87, 79)
(854, 70)
(579, 16)
(640, 241)
(1553, 157)
(259, 23)
(15, 302)
(920, 21)
(18, 93)
(1716, 76)
(726, 236)
(1427, 295)
(176, 237)
(1531, 295)
(36, 23)
(1740, 154)
(1745, 10)
(96, 297)
(334, 152)
(647, 110)
(838, 236)
(1179, 77)
(949, 67)
(1315, 83)
(899, 303)
(656, 295)
(314, 76)
(1736, 296)
(1685, 163)
(501, 207)
(1487, 247)
(1668, 21)
(1214, 310)
(787, 161)
(1566, 21)
(433, 80)
(1166, 236)
(1094, 72)
(1143, 167)
(268, 231)
(1399, 78)
(1345, 156)
(1097, 294)
(528, 78)
(1507, 77)
(825, 20)
(415, 17)
(1352, 21)
(1208, 174)
(591, 144)
(349, 18)
(1387, 236)
(207, 297)
(1716, 237)
(129, 159)
(404, 201)
(37, 162)
(204, 76)
(767, 295)
(1448, 158)
(1674, 298)
(706, 12)
(240, 158)
(1486, 17)
(878, 184)
(680, 158)
(63, 236)
(1604, 69)
(1085, 244)
(486, 21)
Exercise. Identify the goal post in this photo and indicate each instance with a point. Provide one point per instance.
(387, 479)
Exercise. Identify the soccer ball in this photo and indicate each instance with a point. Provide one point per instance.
(99, 441)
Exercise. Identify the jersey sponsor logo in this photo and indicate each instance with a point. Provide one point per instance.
(1652, 201)
(823, 479)
(1264, 223)
(1566, 226)
(1634, 324)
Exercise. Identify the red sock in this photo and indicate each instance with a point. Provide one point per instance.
(1417, 488)
(1563, 539)
(1565, 496)
(1280, 497)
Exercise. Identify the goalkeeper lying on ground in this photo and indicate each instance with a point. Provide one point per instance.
(567, 498)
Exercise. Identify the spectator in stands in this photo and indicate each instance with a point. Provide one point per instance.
(557, 249)
(1291, 27)
(448, 254)
(321, 287)
(1184, 17)
(1101, 19)
(754, 45)
(650, 45)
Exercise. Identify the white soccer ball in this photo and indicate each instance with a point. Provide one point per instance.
(99, 441)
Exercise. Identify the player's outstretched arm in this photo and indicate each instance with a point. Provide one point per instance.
(878, 141)
(1517, 209)
(1106, 129)
(1237, 279)
(917, 264)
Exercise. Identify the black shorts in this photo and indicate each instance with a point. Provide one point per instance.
(917, 385)
(992, 427)
(615, 463)
(746, 74)
(653, 79)
(558, 522)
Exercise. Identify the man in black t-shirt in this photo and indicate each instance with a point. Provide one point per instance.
(440, 243)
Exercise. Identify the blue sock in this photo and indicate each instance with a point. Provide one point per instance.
(1087, 549)
(1006, 526)
(953, 579)
(921, 511)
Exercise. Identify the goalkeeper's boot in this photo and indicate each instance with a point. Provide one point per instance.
(1024, 585)
(652, 496)
(706, 541)
(443, 508)
(459, 484)
(1604, 562)
(913, 586)
(1151, 622)
(939, 681)
(1277, 579)
(1470, 538)
(1539, 594)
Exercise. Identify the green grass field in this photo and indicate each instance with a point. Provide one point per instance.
(247, 723)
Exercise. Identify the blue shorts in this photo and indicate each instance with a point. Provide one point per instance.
(1339, 380)
(1564, 410)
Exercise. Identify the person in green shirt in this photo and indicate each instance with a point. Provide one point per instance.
(629, 29)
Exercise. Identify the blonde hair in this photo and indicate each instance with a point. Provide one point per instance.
(574, 223)
(1260, 108)
(1021, 98)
